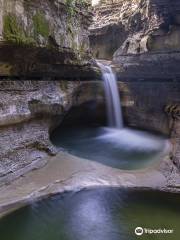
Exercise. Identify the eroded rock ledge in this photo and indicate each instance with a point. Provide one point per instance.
(144, 37)
(69, 173)
(29, 110)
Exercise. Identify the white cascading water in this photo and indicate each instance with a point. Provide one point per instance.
(113, 103)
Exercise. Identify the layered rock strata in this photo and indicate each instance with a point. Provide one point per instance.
(141, 36)
(29, 111)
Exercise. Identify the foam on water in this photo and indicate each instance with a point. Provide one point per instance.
(132, 139)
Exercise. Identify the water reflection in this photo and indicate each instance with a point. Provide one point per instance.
(95, 214)
(93, 219)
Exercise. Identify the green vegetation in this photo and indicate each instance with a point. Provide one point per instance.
(13, 31)
(41, 26)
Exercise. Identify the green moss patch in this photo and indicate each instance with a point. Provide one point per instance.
(41, 26)
(13, 32)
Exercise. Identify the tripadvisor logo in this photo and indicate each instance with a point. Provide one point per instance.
(140, 231)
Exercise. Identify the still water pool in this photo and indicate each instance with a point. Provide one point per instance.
(120, 148)
(95, 214)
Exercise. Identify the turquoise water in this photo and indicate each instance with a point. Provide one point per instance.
(95, 214)
(124, 149)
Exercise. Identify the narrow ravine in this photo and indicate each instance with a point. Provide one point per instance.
(89, 120)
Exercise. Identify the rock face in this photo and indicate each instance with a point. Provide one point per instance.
(173, 112)
(142, 36)
(29, 111)
(144, 102)
(41, 39)
(110, 27)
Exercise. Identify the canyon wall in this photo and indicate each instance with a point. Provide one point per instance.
(41, 39)
(136, 26)
(141, 36)
(48, 40)
(29, 111)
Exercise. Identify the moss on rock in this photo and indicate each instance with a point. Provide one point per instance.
(14, 32)
(41, 26)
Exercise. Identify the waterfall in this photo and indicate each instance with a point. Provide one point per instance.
(114, 112)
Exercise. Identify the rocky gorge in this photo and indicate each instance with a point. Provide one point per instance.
(144, 49)
(48, 68)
